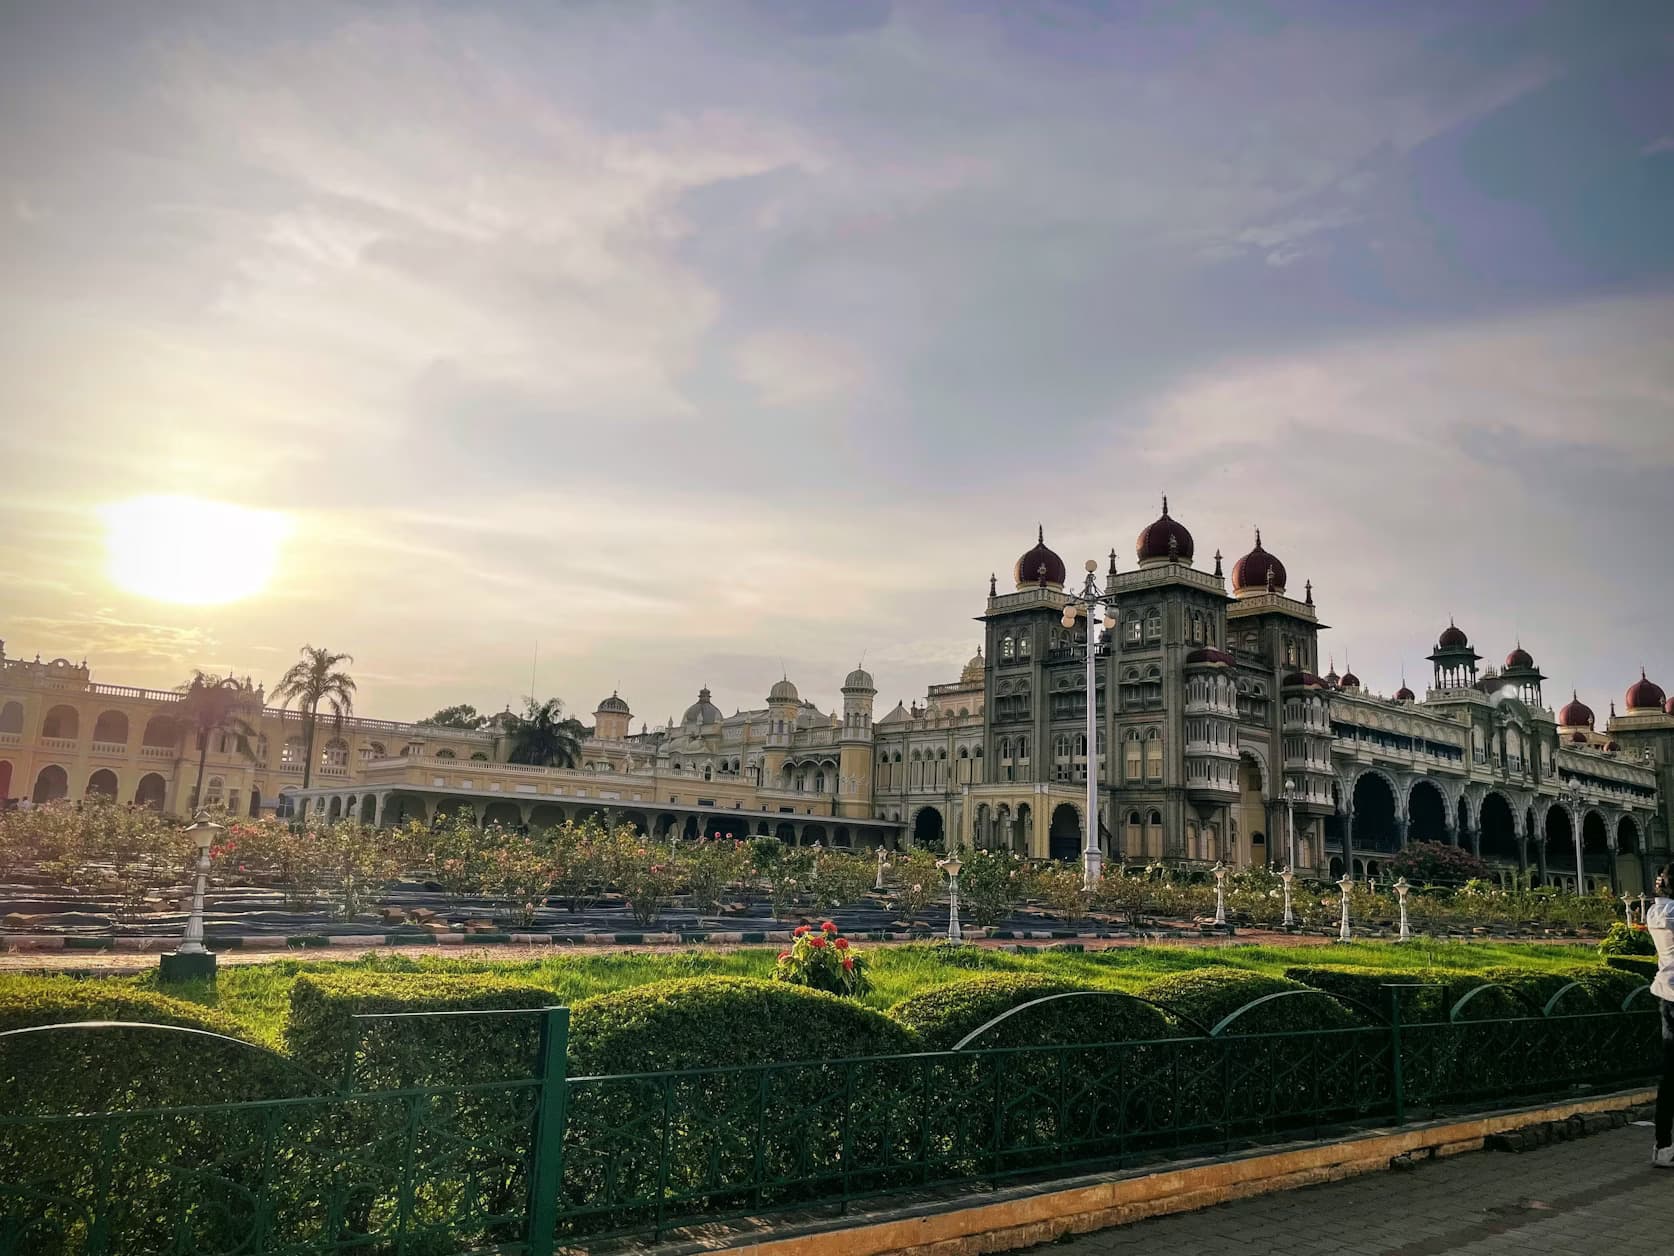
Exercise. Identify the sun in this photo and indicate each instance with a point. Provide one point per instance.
(191, 550)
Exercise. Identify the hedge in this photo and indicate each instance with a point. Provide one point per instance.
(943, 1015)
(696, 1022)
(1209, 995)
(1642, 966)
(1441, 990)
(433, 1050)
(116, 1069)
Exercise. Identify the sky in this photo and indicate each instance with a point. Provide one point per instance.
(637, 346)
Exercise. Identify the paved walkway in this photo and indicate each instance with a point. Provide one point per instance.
(1583, 1198)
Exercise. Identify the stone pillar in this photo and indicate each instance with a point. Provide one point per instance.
(1540, 858)
(1615, 871)
(480, 810)
(1402, 824)
(1348, 842)
(379, 803)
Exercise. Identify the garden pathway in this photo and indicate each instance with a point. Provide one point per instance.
(1580, 1198)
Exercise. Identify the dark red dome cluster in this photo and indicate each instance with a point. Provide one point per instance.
(1452, 638)
(1302, 680)
(1403, 694)
(1645, 695)
(1519, 660)
(1348, 680)
(1208, 654)
(1165, 540)
(1257, 570)
(1575, 713)
(1040, 565)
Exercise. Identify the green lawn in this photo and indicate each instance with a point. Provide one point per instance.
(258, 995)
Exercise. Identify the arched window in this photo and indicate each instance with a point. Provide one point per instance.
(61, 722)
(479, 757)
(1153, 755)
(111, 729)
(11, 718)
(1197, 627)
(1134, 842)
(295, 751)
(1133, 768)
(1007, 648)
(1133, 627)
(336, 753)
(445, 753)
(213, 790)
(1153, 624)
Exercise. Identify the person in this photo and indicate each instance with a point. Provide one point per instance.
(1659, 919)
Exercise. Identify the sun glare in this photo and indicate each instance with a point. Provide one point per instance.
(190, 550)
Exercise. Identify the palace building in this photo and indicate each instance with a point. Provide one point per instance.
(1218, 740)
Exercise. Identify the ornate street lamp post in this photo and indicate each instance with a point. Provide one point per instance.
(1287, 876)
(1290, 817)
(1574, 799)
(191, 958)
(1096, 604)
(882, 864)
(1345, 885)
(1627, 907)
(950, 865)
(1401, 890)
(1220, 893)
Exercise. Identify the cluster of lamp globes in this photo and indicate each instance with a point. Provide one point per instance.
(1068, 620)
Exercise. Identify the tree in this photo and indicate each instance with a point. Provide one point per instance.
(544, 735)
(462, 716)
(210, 706)
(312, 680)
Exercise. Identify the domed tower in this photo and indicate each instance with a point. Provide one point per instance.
(610, 721)
(782, 704)
(1521, 673)
(1165, 541)
(1257, 572)
(1454, 660)
(854, 788)
(1039, 567)
(1575, 715)
(1645, 697)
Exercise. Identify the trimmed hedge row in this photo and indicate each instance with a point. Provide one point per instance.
(120, 1069)
(943, 1015)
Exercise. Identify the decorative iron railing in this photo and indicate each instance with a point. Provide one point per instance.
(520, 1166)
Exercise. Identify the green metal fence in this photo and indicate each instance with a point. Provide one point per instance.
(515, 1167)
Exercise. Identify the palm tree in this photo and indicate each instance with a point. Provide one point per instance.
(208, 706)
(311, 681)
(544, 735)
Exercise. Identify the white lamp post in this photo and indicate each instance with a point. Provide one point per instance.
(191, 958)
(950, 865)
(1345, 885)
(1574, 799)
(1220, 893)
(1401, 889)
(1094, 604)
(1290, 818)
(1287, 876)
(1627, 907)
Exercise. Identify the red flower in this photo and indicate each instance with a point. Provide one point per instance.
(816, 941)
(784, 954)
(847, 962)
(842, 944)
(799, 931)
(827, 927)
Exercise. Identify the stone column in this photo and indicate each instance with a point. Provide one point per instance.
(379, 802)
(1348, 842)
(1402, 824)
(1615, 871)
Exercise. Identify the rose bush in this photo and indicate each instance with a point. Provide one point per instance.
(822, 959)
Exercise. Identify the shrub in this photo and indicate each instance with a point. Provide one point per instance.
(1642, 967)
(711, 866)
(518, 869)
(1441, 989)
(916, 881)
(1059, 887)
(1437, 863)
(441, 1050)
(945, 1014)
(1209, 995)
(841, 878)
(114, 1069)
(647, 876)
(991, 885)
(695, 1022)
(822, 959)
(1625, 939)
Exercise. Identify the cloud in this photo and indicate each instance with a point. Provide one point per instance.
(793, 369)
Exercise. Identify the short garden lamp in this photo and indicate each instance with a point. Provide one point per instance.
(950, 865)
(1401, 891)
(1288, 876)
(191, 958)
(882, 864)
(1345, 885)
(1220, 893)
(1627, 907)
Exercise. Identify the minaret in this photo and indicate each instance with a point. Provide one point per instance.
(854, 791)
(782, 704)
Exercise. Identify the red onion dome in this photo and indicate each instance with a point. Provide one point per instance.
(1302, 680)
(1165, 541)
(1348, 680)
(1579, 738)
(1575, 713)
(1403, 694)
(1258, 571)
(1644, 695)
(1669, 708)
(1208, 654)
(1452, 638)
(1613, 746)
(1039, 566)
(1519, 660)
